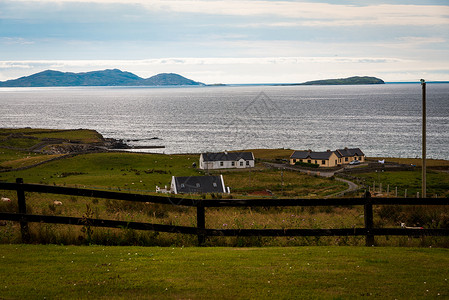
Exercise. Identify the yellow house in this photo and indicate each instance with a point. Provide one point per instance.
(347, 155)
(328, 158)
(323, 159)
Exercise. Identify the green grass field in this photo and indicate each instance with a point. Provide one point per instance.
(31, 136)
(141, 173)
(437, 182)
(16, 144)
(97, 272)
(110, 170)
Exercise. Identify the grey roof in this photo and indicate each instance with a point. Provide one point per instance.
(199, 184)
(227, 156)
(311, 154)
(349, 152)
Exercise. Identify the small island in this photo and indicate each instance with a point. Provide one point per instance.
(355, 80)
(346, 81)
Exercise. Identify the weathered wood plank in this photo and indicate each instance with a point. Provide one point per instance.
(98, 223)
(224, 232)
(166, 199)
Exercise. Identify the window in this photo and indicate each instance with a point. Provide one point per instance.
(309, 161)
(233, 163)
(214, 184)
(182, 185)
(241, 164)
(335, 162)
(221, 164)
(346, 159)
(197, 185)
(316, 162)
(247, 162)
(323, 162)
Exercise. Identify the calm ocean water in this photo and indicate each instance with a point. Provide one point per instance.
(383, 120)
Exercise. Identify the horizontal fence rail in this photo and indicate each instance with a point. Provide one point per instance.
(200, 230)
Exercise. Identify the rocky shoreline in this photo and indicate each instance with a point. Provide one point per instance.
(62, 146)
(68, 147)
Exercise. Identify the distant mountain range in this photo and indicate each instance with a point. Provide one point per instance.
(113, 77)
(117, 77)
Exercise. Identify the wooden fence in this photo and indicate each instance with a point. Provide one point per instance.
(369, 231)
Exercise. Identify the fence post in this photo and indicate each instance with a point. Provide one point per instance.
(368, 214)
(22, 210)
(201, 223)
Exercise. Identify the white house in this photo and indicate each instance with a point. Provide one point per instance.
(226, 160)
(198, 185)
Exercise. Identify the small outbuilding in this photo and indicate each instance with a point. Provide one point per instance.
(198, 185)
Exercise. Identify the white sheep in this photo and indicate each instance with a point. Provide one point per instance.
(56, 202)
(6, 199)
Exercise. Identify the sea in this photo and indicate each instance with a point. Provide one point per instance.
(382, 120)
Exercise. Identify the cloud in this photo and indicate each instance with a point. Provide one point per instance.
(194, 61)
(246, 70)
(15, 41)
(297, 13)
(416, 40)
(263, 69)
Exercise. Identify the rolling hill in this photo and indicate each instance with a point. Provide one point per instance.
(111, 77)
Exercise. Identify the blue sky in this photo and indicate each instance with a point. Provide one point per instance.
(263, 41)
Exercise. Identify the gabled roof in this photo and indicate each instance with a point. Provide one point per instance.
(227, 156)
(199, 184)
(312, 155)
(350, 152)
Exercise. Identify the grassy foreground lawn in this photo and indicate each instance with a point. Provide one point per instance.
(69, 272)
(110, 170)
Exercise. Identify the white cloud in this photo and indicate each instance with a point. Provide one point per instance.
(195, 61)
(416, 40)
(303, 13)
(245, 70)
(15, 41)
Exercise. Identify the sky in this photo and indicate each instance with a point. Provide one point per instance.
(231, 42)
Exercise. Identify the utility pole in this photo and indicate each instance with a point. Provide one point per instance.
(423, 84)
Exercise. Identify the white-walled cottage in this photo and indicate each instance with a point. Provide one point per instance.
(226, 160)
